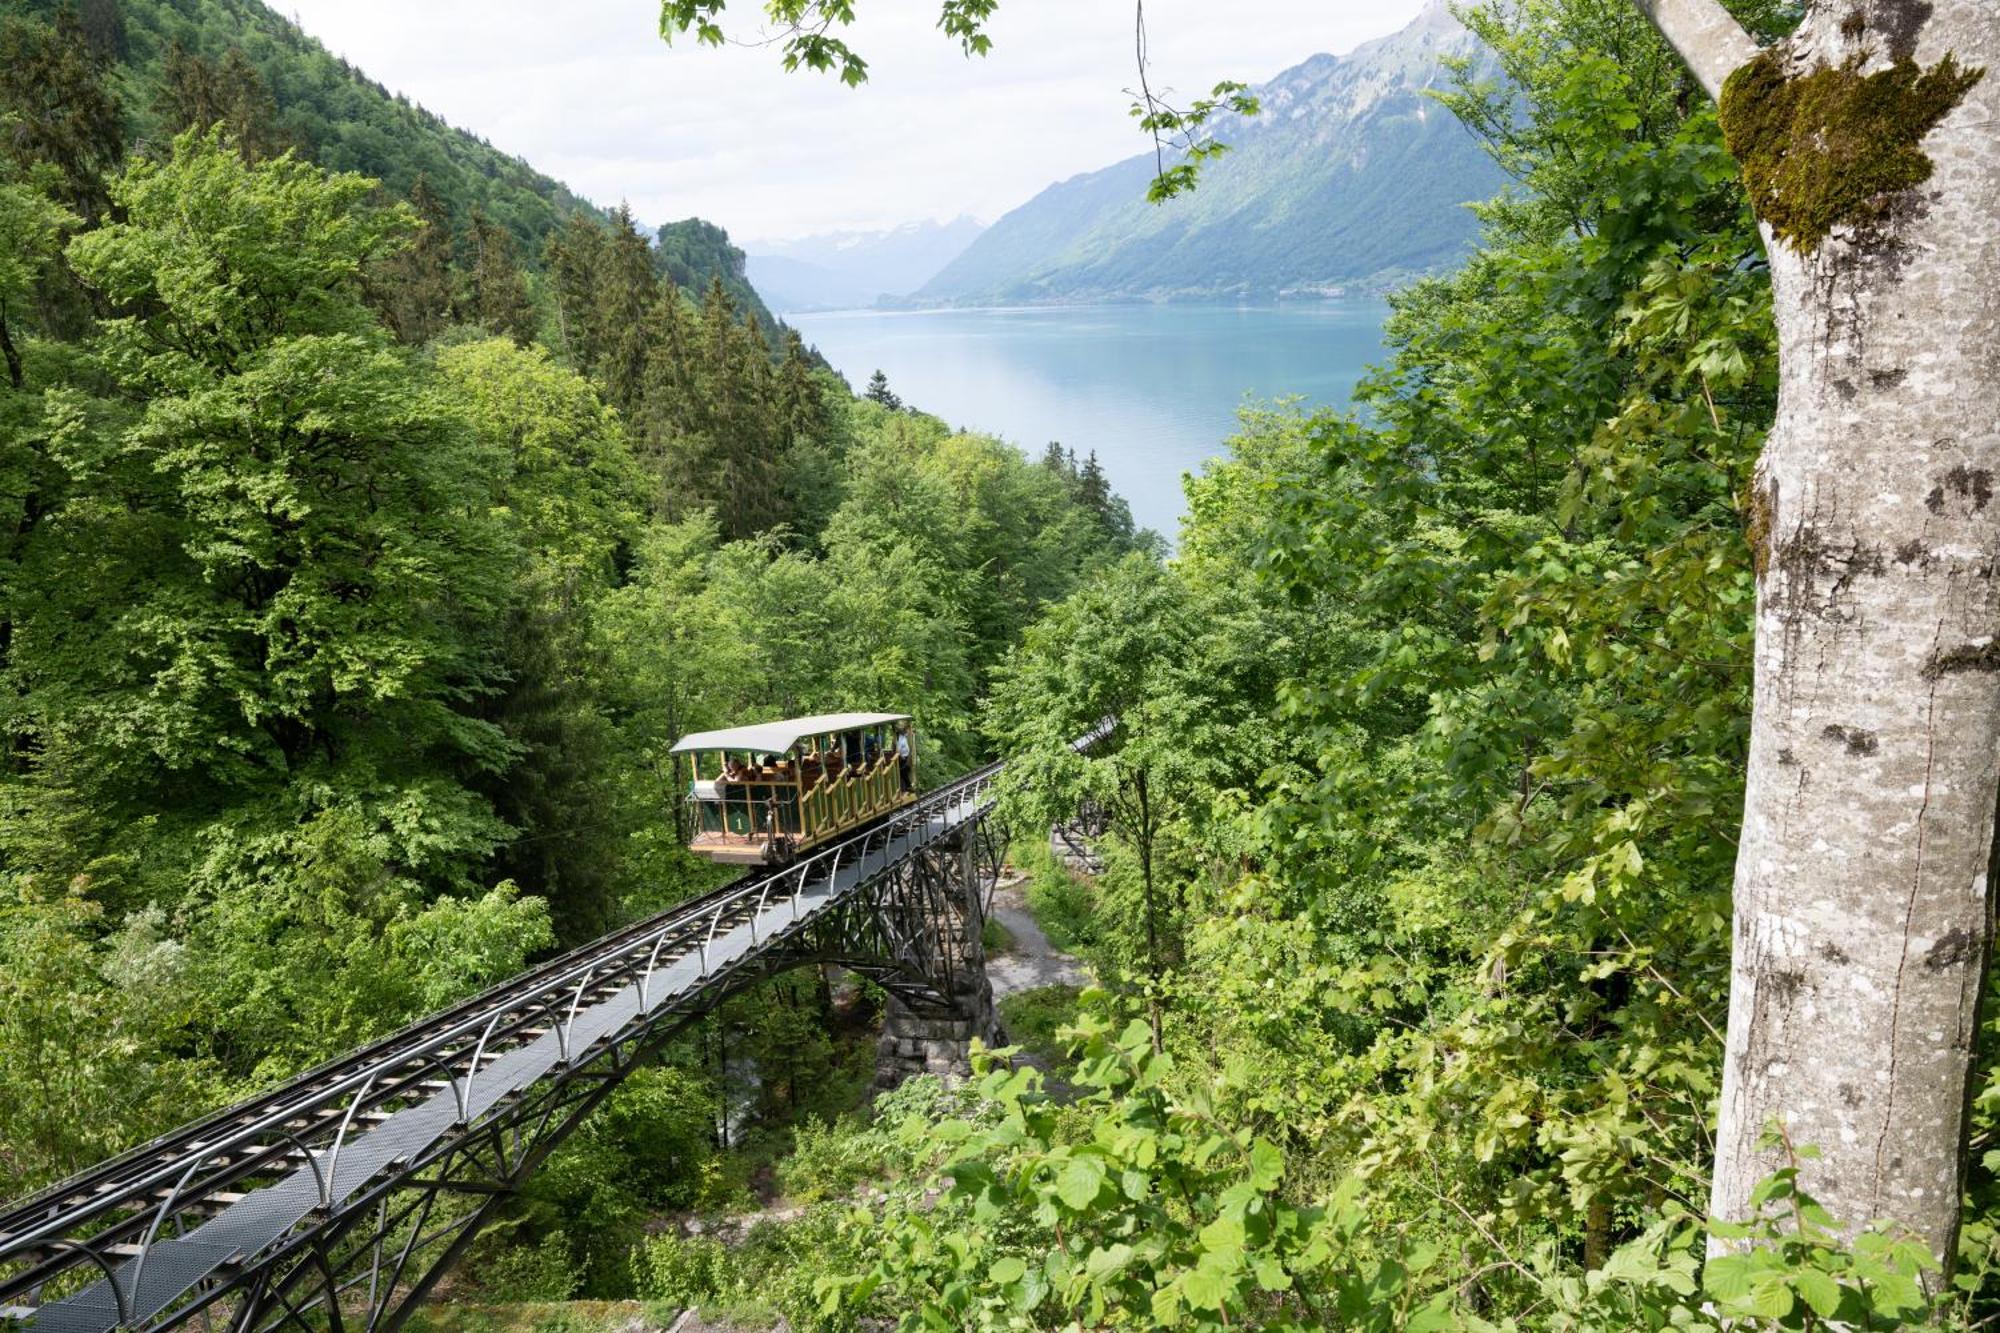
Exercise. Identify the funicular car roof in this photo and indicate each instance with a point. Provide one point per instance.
(778, 737)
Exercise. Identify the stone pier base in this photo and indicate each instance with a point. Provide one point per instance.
(936, 1040)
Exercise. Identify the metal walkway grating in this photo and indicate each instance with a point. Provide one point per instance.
(170, 1268)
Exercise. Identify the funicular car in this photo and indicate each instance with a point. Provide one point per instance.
(763, 793)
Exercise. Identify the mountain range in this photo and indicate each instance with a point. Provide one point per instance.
(1349, 176)
(845, 270)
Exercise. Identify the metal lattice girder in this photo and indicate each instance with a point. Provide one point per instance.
(341, 1196)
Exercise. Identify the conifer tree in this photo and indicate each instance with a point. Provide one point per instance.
(1091, 486)
(718, 422)
(249, 108)
(673, 437)
(197, 93)
(878, 391)
(413, 287)
(740, 474)
(625, 289)
(605, 287)
(103, 26)
(53, 88)
(495, 294)
(571, 258)
(801, 407)
(188, 97)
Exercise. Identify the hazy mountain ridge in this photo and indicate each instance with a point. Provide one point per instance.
(1349, 176)
(846, 269)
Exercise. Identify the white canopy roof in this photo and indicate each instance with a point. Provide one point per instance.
(778, 737)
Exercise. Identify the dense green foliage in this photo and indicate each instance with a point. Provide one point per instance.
(353, 588)
(342, 641)
(1418, 980)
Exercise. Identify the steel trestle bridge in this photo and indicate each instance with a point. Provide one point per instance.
(340, 1198)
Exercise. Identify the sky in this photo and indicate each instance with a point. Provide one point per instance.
(587, 92)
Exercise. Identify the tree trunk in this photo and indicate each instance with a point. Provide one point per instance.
(1862, 903)
(11, 352)
(1154, 970)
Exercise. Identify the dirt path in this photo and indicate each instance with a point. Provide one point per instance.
(1032, 961)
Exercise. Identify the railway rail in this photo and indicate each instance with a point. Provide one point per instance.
(343, 1194)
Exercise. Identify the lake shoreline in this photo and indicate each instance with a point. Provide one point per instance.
(1152, 388)
(1217, 302)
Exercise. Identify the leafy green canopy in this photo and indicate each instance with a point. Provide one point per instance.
(1454, 897)
(338, 669)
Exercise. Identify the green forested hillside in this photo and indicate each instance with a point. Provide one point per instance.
(352, 588)
(1414, 925)
(174, 60)
(354, 584)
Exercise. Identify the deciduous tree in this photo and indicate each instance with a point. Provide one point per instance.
(1864, 893)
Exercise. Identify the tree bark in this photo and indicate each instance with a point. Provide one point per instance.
(1704, 34)
(12, 354)
(1863, 907)
(1154, 968)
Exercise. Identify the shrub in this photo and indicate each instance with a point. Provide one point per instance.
(995, 938)
(1034, 1017)
(682, 1270)
(543, 1271)
(829, 1159)
(1065, 905)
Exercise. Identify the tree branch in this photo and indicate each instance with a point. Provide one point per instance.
(1708, 38)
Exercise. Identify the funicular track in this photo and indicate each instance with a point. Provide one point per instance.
(341, 1196)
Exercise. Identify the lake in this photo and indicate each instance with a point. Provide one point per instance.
(1153, 389)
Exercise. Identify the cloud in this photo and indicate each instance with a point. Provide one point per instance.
(587, 92)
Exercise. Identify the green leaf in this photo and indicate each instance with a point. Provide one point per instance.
(1818, 1290)
(1007, 1271)
(1204, 1289)
(1267, 1164)
(1105, 1261)
(1435, 1317)
(1079, 1182)
(1769, 1296)
(1727, 1276)
(1223, 1236)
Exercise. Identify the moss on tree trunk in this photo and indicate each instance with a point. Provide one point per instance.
(1834, 146)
